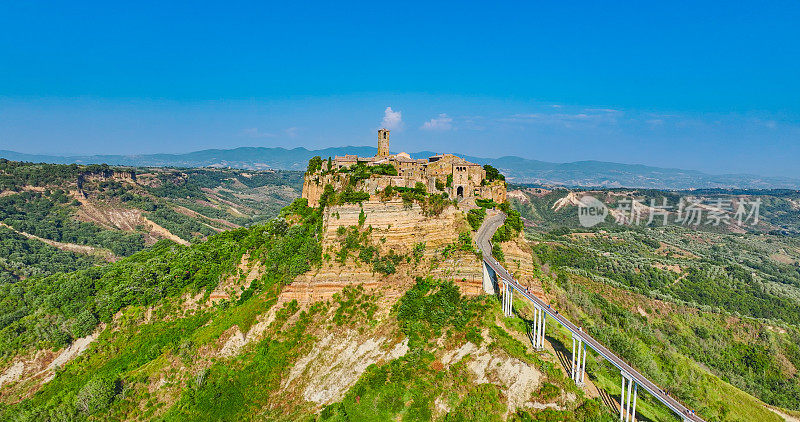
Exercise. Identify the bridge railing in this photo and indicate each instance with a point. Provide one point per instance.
(624, 367)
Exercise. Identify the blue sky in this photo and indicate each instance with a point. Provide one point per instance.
(708, 86)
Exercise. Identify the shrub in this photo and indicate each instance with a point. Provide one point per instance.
(547, 392)
(475, 217)
(497, 252)
(560, 231)
(419, 250)
(84, 324)
(387, 264)
(350, 196)
(97, 394)
(431, 306)
(482, 403)
(464, 241)
(485, 203)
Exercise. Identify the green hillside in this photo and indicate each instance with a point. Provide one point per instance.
(200, 332)
(60, 217)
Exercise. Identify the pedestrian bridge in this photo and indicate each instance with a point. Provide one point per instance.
(498, 281)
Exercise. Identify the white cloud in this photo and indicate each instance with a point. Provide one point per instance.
(392, 119)
(443, 122)
(291, 132)
(587, 117)
(253, 132)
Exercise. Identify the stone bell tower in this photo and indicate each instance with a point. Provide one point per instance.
(383, 143)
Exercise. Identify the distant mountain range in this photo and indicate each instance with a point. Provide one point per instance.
(516, 169)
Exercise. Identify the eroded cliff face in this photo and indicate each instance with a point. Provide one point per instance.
(402, 226)
(397, 228)
(391, 228)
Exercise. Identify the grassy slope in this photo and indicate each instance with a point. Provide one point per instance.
(168, 367)
(589, 302)
(158, 361)
(55, 201)
(757, 355)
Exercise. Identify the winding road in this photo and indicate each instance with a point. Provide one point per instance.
(490, 224)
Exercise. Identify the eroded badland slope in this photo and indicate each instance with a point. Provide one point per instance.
(353, 313)
(66, 217)
(367, 311)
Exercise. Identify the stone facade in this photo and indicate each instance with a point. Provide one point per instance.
(441, 173)
(383, 143)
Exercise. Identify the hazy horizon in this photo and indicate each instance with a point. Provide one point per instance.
(707, 89)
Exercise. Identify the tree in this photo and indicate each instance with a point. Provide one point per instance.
(492, 173)
(314, 164)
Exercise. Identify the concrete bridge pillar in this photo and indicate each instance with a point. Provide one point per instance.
(543, 329)
(508, 299)
(578, 361)
(489, 279)
(538, 327)
(627, 406)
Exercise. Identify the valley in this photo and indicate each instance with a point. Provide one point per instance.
(373, 308)
(84, 215)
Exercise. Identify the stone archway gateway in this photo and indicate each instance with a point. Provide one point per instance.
(460, 192)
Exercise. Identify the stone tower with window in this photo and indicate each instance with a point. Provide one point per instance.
(445, 175)
(383, 143)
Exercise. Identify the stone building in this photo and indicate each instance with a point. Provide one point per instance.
(441, 173)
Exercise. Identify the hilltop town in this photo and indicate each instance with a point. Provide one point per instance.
(386, 176)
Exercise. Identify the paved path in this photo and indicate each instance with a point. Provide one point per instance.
(490, 224)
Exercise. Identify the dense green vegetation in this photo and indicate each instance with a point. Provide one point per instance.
(331, 197)
(314, 164)
(431, 306)
(49, 215)
(61, 203)
(713, 280)
(51, 311)
(662, 340)
(712, 273)
(21, 257)
(360, 171)
(15, 175)
(670, 301)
